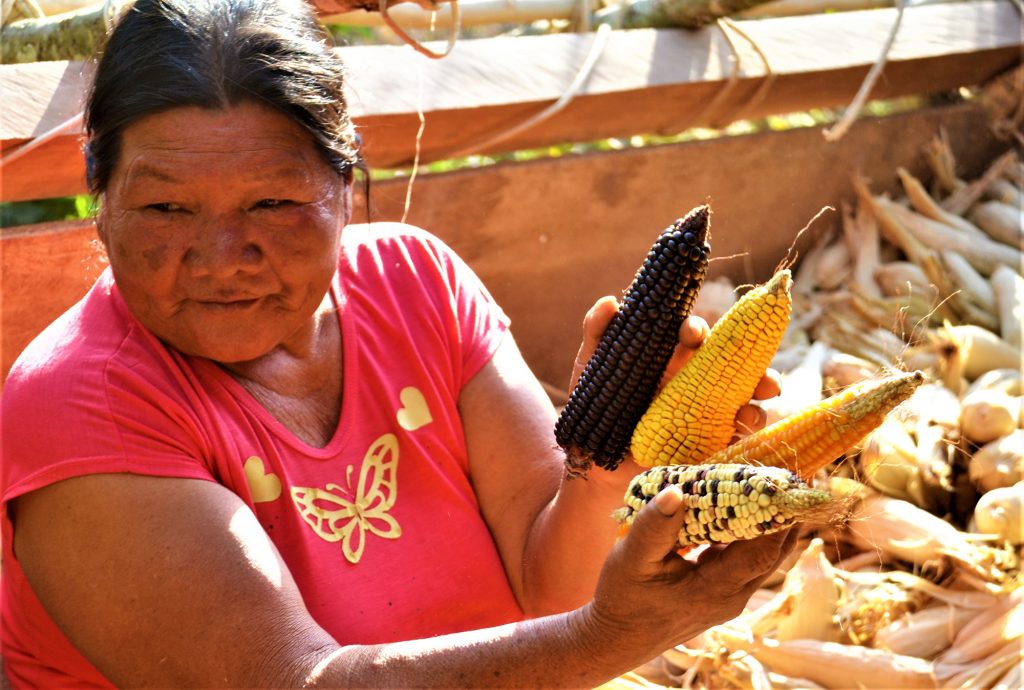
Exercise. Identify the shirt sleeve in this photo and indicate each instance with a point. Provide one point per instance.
(77, 405)
(482, 324)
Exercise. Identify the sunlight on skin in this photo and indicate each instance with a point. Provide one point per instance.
(257, 548)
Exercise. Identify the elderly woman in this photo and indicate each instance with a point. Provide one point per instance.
(272, 448)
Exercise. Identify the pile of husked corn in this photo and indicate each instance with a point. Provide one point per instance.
(922, 585)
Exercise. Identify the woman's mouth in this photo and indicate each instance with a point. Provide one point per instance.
(228, 305)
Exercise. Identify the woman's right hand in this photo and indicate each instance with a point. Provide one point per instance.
(651, 598)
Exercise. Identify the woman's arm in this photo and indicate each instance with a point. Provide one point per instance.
(172, 582)
(553, 532)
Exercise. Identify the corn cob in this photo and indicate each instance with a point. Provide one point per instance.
(621, 378)
(728, 502)
(694, 415)
(807, 440)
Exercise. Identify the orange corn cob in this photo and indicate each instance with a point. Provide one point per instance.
(810, 439)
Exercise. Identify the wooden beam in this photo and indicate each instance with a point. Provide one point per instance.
(551, 236)
(44, 269)
(645, 81)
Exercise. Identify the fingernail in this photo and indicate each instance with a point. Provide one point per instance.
(668, 500)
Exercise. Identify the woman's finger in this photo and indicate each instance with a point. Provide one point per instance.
(655, 529)
(769, 386)
(594, 325)
(750, 418)
(692, 333)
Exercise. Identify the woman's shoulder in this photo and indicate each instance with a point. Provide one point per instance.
(389, 236)
(80, 344)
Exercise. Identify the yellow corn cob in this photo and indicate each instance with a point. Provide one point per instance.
(726, 503)
(694, 415)
(807, 440)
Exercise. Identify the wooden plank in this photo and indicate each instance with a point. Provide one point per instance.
(645, 81)
(44, 269)
(550, 237)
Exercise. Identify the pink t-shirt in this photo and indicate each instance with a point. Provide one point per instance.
(97, 393)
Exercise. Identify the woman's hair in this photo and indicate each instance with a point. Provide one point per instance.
(215, 54)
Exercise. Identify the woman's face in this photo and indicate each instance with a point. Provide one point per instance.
(223, 228)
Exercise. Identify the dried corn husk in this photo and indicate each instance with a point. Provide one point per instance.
(1001, 222)
(940, 158)
(979, 349)
(1013, 679)
(801, 386)
(924, 633)
(924, 204)
(845, 369)
(984, 254)
(813, 583)
(965, 195)
(860, 232)
(998, 463)
(1007, 192)
(987, 415)
(630, 681)
(1008, 287)
(1001, 512)
(834, 665)
(975, 287)
(900, 581)
(888, 460)
(931, 404)
(933, 486)
(917, 536)
(1005, 380)
(833, 267)
(742, 670)
(873, 602)
(985, 672)
(991, 630)
(903, 278)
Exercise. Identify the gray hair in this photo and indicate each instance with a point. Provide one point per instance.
(164, 54)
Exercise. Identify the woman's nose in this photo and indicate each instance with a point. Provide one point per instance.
(224, 247)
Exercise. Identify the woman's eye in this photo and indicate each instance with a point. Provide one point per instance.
(165, 207)
(272, 203)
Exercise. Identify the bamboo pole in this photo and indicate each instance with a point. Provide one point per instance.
(69, 36)
(634, 14)
(473, 13)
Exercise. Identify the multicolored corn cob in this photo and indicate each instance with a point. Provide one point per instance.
(694, 415)
(621, 378)
(810, 439)
(728, 502)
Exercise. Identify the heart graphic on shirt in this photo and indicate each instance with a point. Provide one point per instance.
(414, 412)
(265, 486)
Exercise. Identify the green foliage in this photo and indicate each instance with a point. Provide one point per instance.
(815, 117)
(64, 208)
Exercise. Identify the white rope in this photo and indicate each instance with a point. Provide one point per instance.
(601, 36)
(836, 132)
(416, 45)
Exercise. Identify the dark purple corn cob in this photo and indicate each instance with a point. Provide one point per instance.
(620, 380)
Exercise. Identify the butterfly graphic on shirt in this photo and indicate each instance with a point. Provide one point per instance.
(347, 514)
